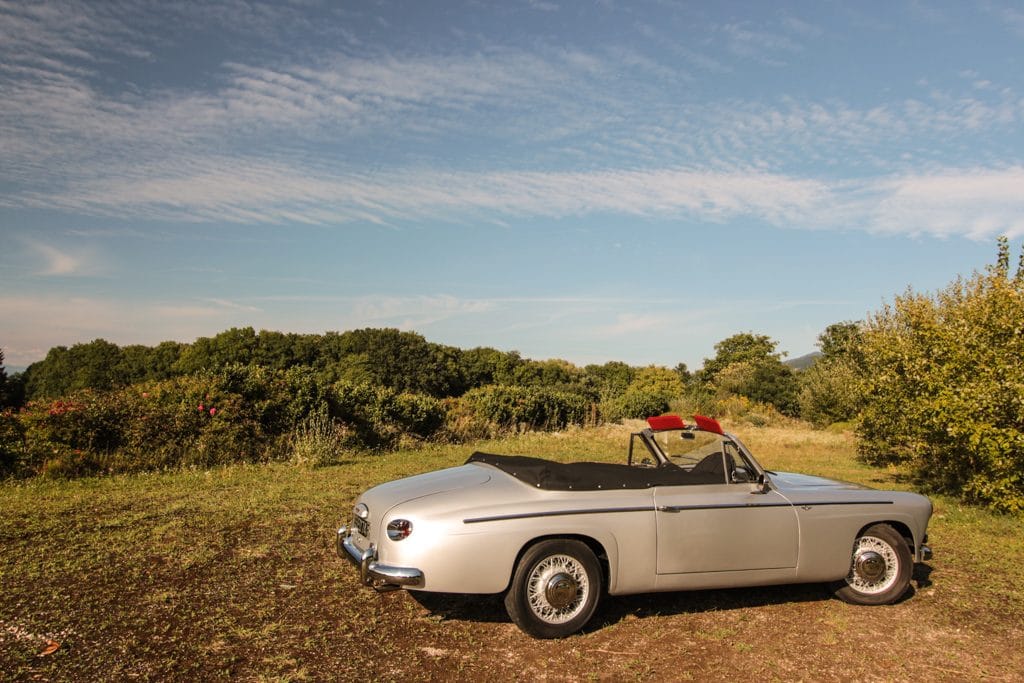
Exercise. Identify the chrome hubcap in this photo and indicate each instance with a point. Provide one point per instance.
(875, 566)
(557, 589)
(870, 565)
(561, 590)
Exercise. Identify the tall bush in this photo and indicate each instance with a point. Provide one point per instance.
(832, 389)
(945, 386)
(509, 408)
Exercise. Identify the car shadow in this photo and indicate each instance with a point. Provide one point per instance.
(613, 609)
(491, 608)
(617, 608)
(459, 606)
(922, 575)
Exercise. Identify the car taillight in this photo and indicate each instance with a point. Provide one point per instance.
(399, 529)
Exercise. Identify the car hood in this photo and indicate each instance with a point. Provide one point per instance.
(799, 483)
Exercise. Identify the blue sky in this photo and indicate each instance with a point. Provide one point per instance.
(584, 180)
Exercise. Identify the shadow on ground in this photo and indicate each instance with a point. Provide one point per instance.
(491, 609)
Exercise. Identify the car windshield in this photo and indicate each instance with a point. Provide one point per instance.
(688, 448)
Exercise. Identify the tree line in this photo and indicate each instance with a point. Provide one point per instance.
(931, 381)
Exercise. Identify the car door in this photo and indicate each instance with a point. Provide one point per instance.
(723, 527)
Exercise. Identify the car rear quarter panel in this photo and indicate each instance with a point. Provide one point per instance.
(473, 547)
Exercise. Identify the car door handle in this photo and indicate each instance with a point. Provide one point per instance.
(667, 508)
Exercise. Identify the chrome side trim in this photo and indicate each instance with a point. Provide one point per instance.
(666, 508)
(556, 513)
(371, 572)
(845, 502)
(723, 506)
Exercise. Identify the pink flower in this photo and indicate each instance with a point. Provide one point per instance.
(201, 408)
(213, 411)
(145, 394)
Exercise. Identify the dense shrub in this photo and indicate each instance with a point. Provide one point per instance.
(12, 443)
(380, 417)
(831, 391)
(240, 413)
(498, 408)
(766, 380)
(945, 386)
(635, 403)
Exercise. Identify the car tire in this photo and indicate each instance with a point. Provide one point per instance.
(880, 568)
(555, 588)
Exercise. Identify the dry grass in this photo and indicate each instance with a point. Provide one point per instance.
(231, 574)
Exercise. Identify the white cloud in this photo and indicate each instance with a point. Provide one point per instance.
(973, 203)
(61, 262)
(247, 148)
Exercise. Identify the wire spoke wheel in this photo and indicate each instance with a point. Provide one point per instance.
(875, 566)
(880, 568)
(557, 588)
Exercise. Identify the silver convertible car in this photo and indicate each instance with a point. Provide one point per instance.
(689, 509)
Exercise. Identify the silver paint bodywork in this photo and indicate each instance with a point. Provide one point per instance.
(471, 523)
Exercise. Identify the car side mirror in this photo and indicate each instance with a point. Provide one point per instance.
(761, 485)
(740, 475)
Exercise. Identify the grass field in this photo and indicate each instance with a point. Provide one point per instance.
(231, 573)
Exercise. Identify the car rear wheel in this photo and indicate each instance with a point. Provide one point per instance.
(555, 588)
(880, 568)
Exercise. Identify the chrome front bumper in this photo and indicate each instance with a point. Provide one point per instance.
(372, 573)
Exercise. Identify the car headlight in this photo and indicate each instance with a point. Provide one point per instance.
(399, 529)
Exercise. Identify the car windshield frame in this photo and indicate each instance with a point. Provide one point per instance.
(649, 437)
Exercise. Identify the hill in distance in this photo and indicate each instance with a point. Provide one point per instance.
(803, 362)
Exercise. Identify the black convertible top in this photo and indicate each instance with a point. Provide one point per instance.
(593, 476)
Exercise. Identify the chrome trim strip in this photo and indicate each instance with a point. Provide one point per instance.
(556, 513)
(666, 508)
(844, 502)
(723, 506)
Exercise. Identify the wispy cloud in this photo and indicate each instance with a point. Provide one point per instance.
(973, 202)
(52, 261)
(768, 47)
(286, 140)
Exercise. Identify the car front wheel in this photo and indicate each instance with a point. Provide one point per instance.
(880, 568)
(555, 588)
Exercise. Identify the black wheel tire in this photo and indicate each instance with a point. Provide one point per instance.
(555, 588)
(880, 568)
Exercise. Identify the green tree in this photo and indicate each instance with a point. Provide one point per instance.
(841, 340)
(747, 364)
(235, 346)
(483, 365)
(945, 386)
(832, 389)
(403, 361)
(95, 365)
(739, 348)
(652, 390)
(763, 380)
(610, 379)
(3, 382)
(684, 373)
